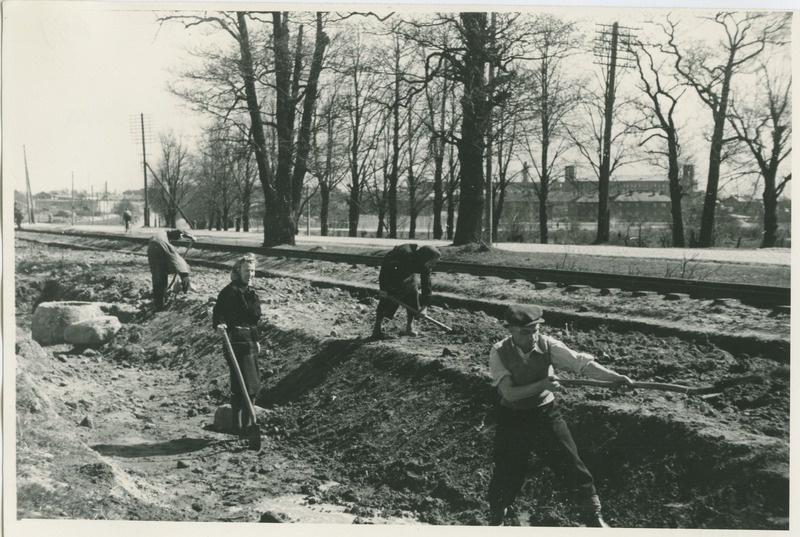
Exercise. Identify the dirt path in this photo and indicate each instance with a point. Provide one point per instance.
(396, 431)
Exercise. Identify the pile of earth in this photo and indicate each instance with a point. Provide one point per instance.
(397, 430)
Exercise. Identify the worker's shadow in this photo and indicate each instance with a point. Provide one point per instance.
(172, 447)
(310, 373)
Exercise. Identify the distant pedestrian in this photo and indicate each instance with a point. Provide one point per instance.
(528, 419)
(127, 217)
(18, 216)
(237, 311)
(403, 270)
(164, 260)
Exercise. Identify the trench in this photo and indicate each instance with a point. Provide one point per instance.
(406, 433)
(423, 432)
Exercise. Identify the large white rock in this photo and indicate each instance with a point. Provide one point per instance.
(51, 318)
(92, 332)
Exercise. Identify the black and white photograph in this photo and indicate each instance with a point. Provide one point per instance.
(375, 269)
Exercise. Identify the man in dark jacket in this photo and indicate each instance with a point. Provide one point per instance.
(164, 260)
(398, 279)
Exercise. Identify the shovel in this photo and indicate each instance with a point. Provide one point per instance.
(665, 387)
(252, 431)
(420, 314)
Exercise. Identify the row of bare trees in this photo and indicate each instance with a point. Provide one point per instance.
(438, 103)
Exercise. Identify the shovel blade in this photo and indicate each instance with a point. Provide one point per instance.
(253, 433)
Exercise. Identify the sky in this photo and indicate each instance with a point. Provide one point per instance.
(77, 76)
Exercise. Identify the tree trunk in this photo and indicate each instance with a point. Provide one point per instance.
(353, 209)
(438, 194)
(309, 105)
(714, 161)
(412, 202)
(282, 221)
(271, 238)
(394, 171)
(770, 198)
(471, 146)
(324, 206)
(675, 193)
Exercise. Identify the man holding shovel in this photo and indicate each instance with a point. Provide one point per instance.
(528, 420)
(164, 260)
(398, 281)
(236, 313)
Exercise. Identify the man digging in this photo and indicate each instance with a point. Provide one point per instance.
(398, 280)
(164, 260)
(528, 419)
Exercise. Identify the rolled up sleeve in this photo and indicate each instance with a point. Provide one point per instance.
(496, 367)
(565, 358)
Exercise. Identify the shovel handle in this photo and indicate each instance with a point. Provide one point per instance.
(665, 387)
(239, 376)
(636, 384)
(419, 314)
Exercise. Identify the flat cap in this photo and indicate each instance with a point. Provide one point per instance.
(523, 315)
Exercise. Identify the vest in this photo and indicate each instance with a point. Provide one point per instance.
(532, 368)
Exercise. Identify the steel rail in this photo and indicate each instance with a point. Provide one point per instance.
(761, 295)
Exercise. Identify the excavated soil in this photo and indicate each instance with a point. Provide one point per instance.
(396, 431)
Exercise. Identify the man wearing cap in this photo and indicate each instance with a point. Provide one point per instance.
(398, 279)
(528, 419)
(164, 260)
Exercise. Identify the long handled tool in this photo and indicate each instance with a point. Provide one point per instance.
(420, 314)
(665, 387)
(252, 431)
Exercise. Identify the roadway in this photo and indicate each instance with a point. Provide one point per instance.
(767, 256)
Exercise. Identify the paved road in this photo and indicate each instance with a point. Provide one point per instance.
(769, 256)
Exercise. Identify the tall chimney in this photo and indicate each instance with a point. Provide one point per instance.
(569, 173)
(688, 176)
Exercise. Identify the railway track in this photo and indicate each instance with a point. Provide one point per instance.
(758, 295)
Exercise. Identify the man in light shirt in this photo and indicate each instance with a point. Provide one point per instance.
(528, 420)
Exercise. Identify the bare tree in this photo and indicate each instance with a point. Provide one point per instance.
(173, 176)
(710, 73)
(765, 128)
(416, 167)
(605, 149)
(554, 96)
(328, 158)
(359, 85)
(661, 100)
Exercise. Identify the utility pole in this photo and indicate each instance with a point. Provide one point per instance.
(72, 200)
(91, 202)
(606, 54)
(29, 196)
(144, 169)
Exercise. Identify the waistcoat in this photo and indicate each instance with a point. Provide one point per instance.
(526, 370)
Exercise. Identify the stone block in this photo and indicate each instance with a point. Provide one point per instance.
(92, 332)
(51, 318)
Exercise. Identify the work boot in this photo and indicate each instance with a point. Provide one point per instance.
(595, 520)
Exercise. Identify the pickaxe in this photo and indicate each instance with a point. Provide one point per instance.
(419, 314)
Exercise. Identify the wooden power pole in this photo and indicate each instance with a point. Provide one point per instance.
(29, 195)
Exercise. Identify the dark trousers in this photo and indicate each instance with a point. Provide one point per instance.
(543, 431)
(407, 293)
(160, 285)
(246, 351)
